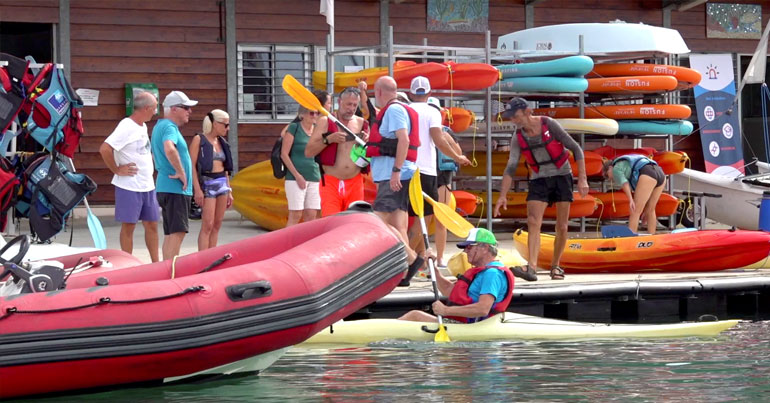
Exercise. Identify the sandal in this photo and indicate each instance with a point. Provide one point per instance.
(411, 271)
(528, 274)
(557, 273)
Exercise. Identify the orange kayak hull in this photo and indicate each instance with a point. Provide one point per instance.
(469, 76)
(593, 163)
(685, 76)
(461, 119)
(517, 205)
(666, 206)
(637, 111)
(692, 251)
(632, 84)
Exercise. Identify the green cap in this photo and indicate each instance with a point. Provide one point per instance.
(478, 235)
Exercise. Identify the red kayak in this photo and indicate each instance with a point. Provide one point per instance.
(112, 326)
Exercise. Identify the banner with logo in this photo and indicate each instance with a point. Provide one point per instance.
(720, 131)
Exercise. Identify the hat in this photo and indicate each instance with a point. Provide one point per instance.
(175, 98)
(420, 86)
(513, 106)
(402, 97)
(434, 102)
(478, 235)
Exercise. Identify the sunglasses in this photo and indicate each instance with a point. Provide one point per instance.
(185, 107)
(314, 113)
(226, 125)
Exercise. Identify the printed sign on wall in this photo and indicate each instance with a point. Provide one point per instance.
(718, 119)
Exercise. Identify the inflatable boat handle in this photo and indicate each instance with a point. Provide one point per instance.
(246, 291)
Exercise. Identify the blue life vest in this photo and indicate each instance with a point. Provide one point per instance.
(52, 108)
(637, 162)
(443, 161)
(206, 155)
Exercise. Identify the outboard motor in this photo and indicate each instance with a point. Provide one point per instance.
(30, 277)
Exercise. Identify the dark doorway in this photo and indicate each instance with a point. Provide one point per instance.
(22, 39)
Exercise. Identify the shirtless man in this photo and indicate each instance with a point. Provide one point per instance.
(342, 182)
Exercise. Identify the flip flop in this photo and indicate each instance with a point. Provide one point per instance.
(528, 274)
(557, 273)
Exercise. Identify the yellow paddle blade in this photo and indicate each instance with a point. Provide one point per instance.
(415, 194)
(302, 95)
(452, 201)
(453, 221)
(441, 335)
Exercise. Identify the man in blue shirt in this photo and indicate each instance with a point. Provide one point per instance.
(172, 161)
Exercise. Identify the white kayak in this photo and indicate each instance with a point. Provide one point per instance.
(507, 326)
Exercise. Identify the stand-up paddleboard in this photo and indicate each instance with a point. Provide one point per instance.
(593, 164)
(606, 41)
(517, 205)
(468, 77)
(543, 84)
(602, 127)
(686, 76)
(632, 84)
(403, 73)
(671, 127)
(615, 205)
(571, 66)
(635, 111)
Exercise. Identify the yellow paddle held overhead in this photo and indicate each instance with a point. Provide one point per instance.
(418, 205)
(304, 97)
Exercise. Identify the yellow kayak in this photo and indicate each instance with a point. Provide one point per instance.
(507, 326)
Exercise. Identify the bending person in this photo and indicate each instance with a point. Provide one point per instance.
(212, 165)
(645, 178)
(482, 291)
(543, 143)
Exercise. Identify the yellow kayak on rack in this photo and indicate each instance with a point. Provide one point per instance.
(507, 326)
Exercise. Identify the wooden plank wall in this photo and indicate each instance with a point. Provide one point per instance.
(176, 45)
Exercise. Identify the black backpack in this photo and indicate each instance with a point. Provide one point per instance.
(279, 169)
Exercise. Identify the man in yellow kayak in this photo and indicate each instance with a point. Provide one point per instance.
(543, 143)
(482, 291)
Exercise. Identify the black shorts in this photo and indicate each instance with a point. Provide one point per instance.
(551, 189)
(444, 178)
(431, 189)
(654, 171)
(175, 210)
(388, 201)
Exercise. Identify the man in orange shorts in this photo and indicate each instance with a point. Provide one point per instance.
(342, 182)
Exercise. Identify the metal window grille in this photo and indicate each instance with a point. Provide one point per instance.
(261, 69)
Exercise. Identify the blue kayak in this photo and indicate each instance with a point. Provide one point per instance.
(571, 66)
(542, 84)
(672, 127)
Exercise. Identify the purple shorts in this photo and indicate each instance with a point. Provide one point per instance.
(130, 206)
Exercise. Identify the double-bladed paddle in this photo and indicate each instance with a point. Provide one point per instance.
(415, 198)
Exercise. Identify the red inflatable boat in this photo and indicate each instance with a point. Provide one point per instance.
(112, 325)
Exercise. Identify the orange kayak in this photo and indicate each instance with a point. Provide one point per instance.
(469, 76)
(403, 73)
(689, 251)
(672, 162)
(461, 119)
(465, 202)
(666, 206)
(593, 162)
(686, 77)
(517, 205)
(632, 84)
(636, 111)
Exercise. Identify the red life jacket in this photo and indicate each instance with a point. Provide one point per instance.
(555, 149)
(459, 295)
(328, 156)
(383, 146)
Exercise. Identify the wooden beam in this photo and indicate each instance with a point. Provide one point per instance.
(532, 2)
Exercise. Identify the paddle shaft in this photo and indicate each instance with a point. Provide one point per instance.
(430, 266)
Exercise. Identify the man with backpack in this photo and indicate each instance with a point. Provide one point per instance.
(126, 152)
(174, 166)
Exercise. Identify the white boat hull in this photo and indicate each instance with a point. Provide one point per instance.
(739, 204)
(250, 365)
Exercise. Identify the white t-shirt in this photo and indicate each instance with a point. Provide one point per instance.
(131, 143)
(426, 153)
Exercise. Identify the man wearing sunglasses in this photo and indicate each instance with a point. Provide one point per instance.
(341, 179)
(172, 161)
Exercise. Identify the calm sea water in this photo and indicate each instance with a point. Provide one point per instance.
(734, 366)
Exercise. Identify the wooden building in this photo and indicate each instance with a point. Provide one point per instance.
(231, 54)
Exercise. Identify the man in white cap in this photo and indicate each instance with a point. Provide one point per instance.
(483, 290)
(172, 161)
(431, 137)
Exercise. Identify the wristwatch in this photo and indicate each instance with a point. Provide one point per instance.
(395, 169)
(326, 140)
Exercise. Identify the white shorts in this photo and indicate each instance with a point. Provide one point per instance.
(308, 198)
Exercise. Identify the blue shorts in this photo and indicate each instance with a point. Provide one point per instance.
(130, 206)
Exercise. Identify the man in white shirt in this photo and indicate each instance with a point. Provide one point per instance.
(431, 136)
(126, 152)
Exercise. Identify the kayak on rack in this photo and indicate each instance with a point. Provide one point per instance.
(672, 162)
(570, 66)
(686, 77)
(593, 164)
(543, 84)
(601, 127)
(458, 119)
(403, 73)
(615, 205)
(505, 326)
(670, 127)
(468, 77)
(517, 205)
(687, 251)
(634, 111)
(631, 84)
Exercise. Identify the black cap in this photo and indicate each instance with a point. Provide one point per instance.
(514, 105)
